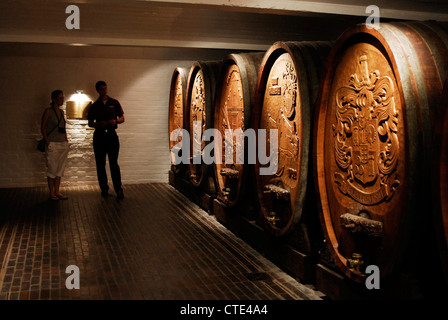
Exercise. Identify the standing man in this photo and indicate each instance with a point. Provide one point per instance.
(104, 115)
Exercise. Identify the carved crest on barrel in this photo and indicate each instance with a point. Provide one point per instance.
(284, 120)
(178, 105)
(232, 111)
(289, 90)
(366, 140)
(198, 106)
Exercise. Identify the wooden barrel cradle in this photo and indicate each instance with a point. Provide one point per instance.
(234, 99)
(201, 91)
(373, 140)
(286, 94)
(176, 108)
(440, 180)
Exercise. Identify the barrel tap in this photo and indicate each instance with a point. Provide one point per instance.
(272, 219)
(226, 192)
(356, 262)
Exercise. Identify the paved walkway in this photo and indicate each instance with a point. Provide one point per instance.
(153, 245)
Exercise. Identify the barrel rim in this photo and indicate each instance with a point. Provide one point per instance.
(440, 209)
(209, 98)
(182, 72)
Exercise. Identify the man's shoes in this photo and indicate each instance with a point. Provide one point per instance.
(105, 193)
(120, 195)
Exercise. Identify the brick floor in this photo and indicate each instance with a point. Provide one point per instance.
(153, 245)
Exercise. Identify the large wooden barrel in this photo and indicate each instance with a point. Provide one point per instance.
(440, 180)
(234, 100)
(176, 109)
(201, 91)
(286, 94)
(373, 134)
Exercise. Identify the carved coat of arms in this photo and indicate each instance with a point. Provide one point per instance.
(233, 113)
(178, 106)
(284, 120)
(198, 109)
(366, 142)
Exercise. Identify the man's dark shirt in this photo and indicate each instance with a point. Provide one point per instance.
(104, 112)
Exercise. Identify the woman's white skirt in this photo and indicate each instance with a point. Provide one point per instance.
(56, 154)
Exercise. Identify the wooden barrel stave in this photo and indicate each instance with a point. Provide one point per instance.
(233, 109)
(398, 58)
(176, 110)
(201, 91)
(288, 68)
(440, 181)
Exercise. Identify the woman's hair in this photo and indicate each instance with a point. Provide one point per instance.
(54, 95)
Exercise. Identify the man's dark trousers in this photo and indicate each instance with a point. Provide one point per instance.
(107, 142)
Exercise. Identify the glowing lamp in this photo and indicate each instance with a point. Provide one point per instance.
(78, 105)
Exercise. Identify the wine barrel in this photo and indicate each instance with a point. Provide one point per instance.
(176, 109)
(286, 93)
(234, 99)
(440, 180)
(201, 91)
(373, 140)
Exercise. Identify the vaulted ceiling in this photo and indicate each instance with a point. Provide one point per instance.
(211, 24)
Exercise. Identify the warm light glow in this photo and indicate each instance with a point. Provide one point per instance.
(77, 105)
(78, 44)
(79, 96)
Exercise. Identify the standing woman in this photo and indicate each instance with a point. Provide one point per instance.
(56, 151)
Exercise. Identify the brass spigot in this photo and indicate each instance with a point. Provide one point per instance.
(356, 262)
(349, 226)
(272, 219)
(226, 192)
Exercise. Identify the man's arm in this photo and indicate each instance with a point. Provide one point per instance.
(91, 117)
(92, 120)
(113, 122)
(98, 124)
(91, 123)
(120, 119)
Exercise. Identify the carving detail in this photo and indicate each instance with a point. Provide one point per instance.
(233, 109)
(178, 105)
(366, 140)
(198, 108)
(288, 135)
(290, 90)
(282, 111)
